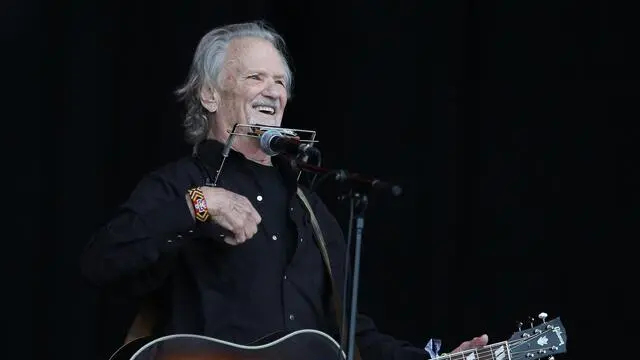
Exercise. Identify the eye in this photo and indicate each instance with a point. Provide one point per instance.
(254, 77)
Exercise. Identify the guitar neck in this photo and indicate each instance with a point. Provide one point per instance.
(541, 341)
(497, 351)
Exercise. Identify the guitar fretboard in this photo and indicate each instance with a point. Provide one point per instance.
(497, 351)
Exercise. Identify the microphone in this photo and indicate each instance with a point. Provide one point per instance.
(273, 142)
(375, 184)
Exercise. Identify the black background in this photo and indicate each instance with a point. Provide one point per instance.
(504, 122)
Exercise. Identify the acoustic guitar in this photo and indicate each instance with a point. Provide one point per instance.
(544, 340)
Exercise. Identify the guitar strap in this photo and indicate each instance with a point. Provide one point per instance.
(145, 319)
(325, 256)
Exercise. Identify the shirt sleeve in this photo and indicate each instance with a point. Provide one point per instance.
(134, 251)
(374, 345)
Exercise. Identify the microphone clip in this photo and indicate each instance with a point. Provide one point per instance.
(275, 139)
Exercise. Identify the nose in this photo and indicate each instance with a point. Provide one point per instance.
(272, 90)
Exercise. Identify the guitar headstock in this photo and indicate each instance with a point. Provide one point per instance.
(542, 341)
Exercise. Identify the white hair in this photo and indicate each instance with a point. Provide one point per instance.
(207, 64)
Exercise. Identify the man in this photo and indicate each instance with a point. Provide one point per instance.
(237, 261)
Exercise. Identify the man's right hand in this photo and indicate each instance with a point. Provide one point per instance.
(232, 211)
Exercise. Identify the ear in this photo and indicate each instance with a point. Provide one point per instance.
(209, 98)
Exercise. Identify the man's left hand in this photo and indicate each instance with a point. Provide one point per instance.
(474, 343)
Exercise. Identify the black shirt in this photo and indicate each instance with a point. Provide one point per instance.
(275, 281)
(275, 204)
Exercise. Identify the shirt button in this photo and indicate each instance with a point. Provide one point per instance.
(259, 197)
(274, 237)
(291, 209)
(285, 277)
(300, 239)
(291, 317)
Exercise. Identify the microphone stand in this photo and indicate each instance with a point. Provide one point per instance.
(358, 205)
(356, 180)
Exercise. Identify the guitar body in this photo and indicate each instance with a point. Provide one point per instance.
(308, 344)
(541, 341)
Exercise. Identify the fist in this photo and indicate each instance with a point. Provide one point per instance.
(232, 211)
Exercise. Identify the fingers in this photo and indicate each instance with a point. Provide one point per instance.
(231, 240)
(245, 206)
(477, 342)
(474, 343)
(244, 219)
(250, 229)
(236, 227)
(235, 213)
(462, 347)
(481, 340)
(242, 234)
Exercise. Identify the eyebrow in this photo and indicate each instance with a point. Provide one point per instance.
(258, 71)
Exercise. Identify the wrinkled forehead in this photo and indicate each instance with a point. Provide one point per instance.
(250, 53)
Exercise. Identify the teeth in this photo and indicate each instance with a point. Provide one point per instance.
(266, 109)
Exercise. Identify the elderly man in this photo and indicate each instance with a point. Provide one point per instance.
(237, 261)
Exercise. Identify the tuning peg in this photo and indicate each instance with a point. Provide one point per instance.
(551, 357)
(542, 316)
(519, 324)
(531, 320)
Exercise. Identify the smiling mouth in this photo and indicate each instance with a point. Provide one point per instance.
(269, 110)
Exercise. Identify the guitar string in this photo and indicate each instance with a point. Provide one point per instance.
(486, 353)
(510, 344)
(479, 354)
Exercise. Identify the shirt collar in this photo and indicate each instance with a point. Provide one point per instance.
(210, 152)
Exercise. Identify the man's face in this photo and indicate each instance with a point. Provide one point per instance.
(252, 84)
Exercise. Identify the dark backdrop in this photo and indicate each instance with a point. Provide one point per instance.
(500, 121)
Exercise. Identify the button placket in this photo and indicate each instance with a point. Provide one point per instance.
(178, 237)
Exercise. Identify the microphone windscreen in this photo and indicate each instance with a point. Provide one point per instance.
(265, 141)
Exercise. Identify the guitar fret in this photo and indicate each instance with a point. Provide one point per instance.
(497, 351)
(464, 355)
